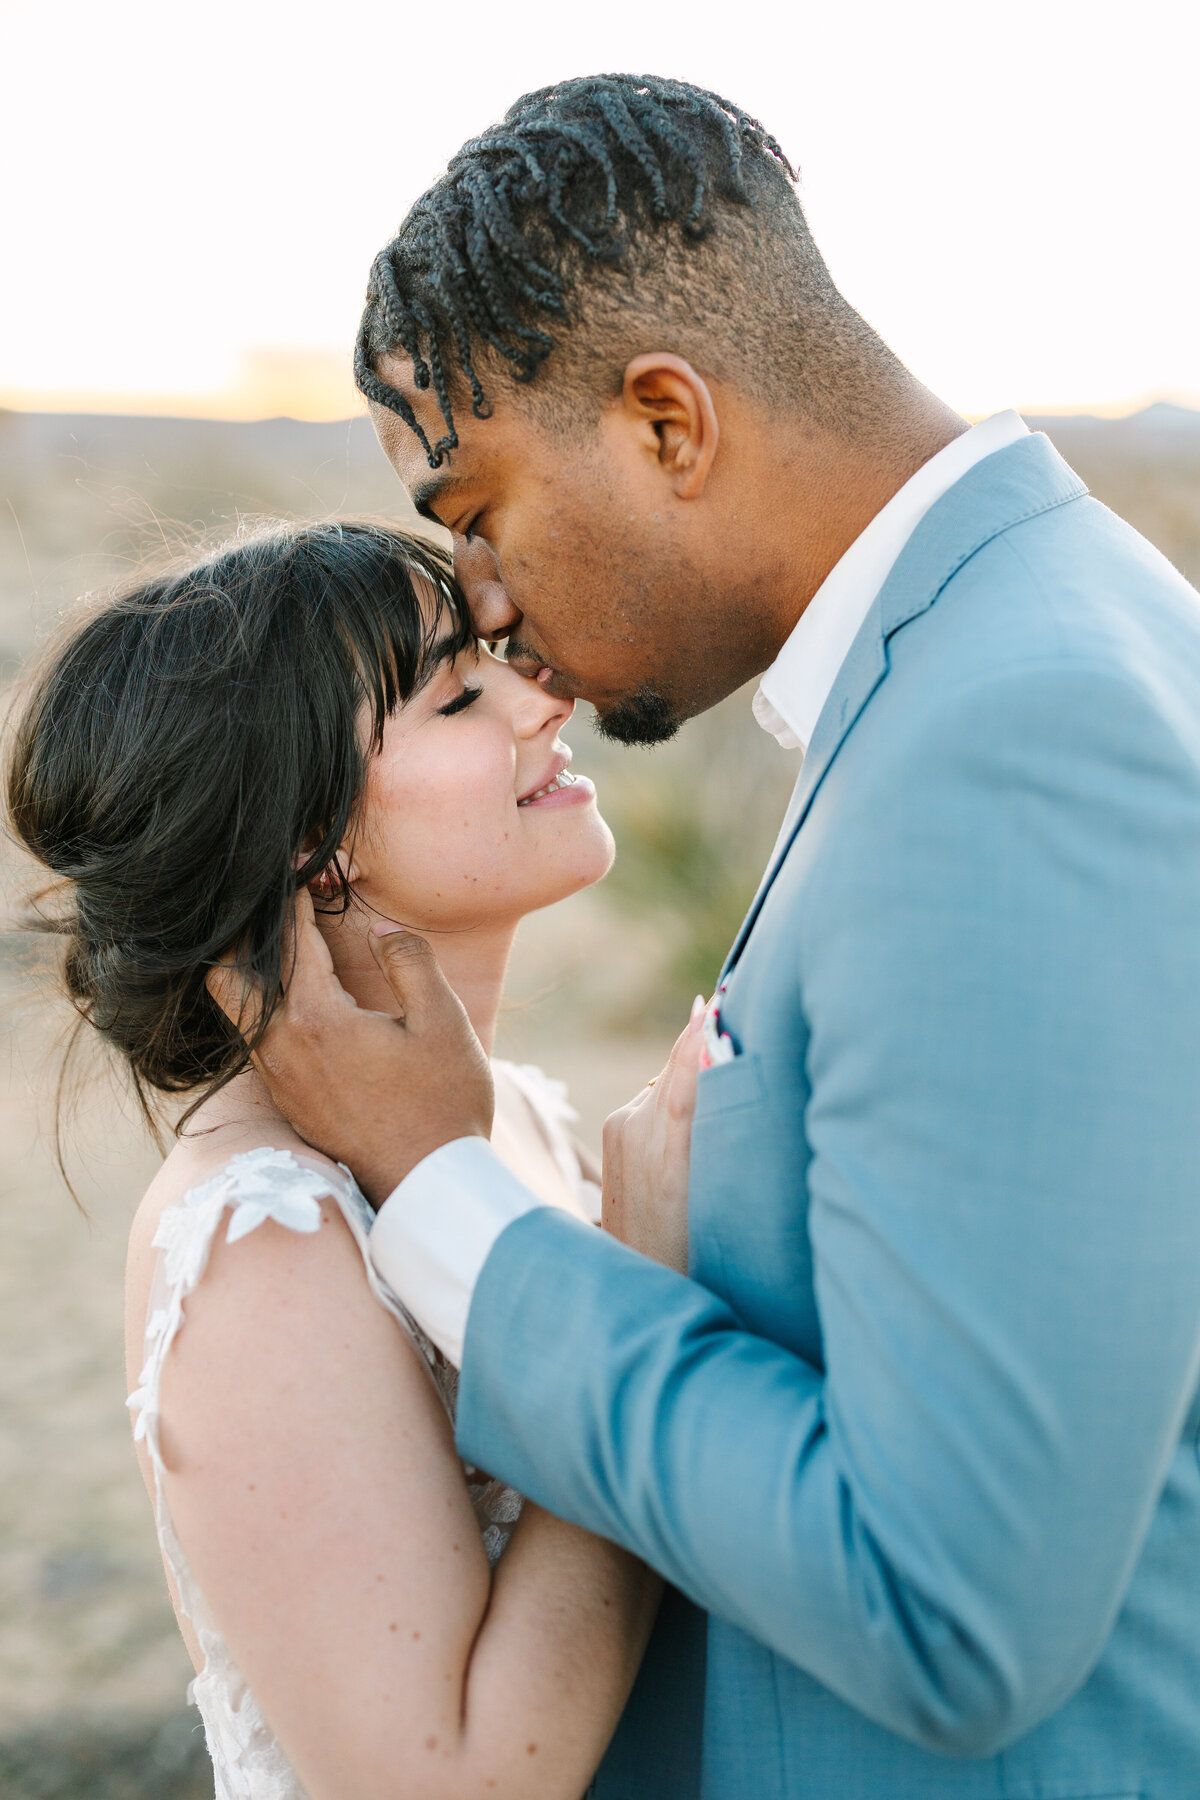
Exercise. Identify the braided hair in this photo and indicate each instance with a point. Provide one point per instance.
(570, 181)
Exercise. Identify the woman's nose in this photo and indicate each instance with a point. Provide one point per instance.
(533, 709)
(493, 614)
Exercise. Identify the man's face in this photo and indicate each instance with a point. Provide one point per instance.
(574, 546)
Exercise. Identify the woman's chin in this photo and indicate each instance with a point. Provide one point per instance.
(543, 875)
(597, 853)
(589, 860)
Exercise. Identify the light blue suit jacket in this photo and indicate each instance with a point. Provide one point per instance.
(917, 1440)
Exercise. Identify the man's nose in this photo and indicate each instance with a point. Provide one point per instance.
(493, 614)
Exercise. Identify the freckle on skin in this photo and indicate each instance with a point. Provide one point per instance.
(416, 1635)
(431, 1743)
(393, 1628)
(531, 1749)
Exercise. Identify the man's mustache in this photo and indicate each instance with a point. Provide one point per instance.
(523, 656)
(526, 661)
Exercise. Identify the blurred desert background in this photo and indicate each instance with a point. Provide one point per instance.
(92, 1674)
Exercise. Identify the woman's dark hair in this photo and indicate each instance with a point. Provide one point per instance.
(193, 750)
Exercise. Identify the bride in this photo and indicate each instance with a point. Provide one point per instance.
(306, 708)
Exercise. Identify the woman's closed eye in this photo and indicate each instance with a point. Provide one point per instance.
(460, 702)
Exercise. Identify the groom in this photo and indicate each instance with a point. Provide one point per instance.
(915, 1441)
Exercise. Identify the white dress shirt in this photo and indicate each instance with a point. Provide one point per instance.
(433, 1235)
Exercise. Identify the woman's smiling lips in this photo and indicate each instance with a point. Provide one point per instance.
(558, 787)
(566, 790)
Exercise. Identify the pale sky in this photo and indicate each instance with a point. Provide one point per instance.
(194, 193)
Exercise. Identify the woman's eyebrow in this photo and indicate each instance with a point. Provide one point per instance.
(442, 650)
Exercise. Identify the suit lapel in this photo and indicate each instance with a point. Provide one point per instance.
(1014, 484)
(858, 677)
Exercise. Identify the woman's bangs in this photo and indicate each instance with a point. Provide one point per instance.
(407, 618)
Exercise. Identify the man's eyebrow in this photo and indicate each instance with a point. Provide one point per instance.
(434, 487)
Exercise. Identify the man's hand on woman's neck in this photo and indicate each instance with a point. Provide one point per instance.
(474, 963)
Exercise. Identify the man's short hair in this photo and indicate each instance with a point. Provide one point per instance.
(602, 217)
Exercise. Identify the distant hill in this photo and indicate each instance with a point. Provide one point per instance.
(1146, 467)
(85, 497)
(1162, 423)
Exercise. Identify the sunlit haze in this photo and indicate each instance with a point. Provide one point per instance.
(194, 194)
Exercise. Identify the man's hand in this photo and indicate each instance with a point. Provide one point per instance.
(378, 1093)
(647, 1157)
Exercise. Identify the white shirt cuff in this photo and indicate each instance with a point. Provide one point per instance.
(433, 1234)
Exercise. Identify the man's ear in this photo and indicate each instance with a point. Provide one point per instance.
(672, 407)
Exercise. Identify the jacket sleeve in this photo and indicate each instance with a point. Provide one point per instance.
(999, 959)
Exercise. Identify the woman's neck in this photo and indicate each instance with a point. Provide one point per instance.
(474, 962)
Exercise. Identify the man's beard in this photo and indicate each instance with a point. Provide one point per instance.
(642, 717)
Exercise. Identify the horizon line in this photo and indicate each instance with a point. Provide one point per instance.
(230, 409)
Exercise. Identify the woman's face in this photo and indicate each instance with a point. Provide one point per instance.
(457, 830)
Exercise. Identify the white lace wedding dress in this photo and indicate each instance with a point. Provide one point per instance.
(248, 1760)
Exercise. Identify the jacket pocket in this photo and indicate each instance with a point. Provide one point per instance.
(729, 1085)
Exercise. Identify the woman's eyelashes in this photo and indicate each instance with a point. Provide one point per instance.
(460, 702)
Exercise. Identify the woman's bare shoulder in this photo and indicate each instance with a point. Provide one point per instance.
(221, 1131)
(240, 1118)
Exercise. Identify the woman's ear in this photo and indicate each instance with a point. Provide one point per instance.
(352, 860)
(342, 869)
(672, 409)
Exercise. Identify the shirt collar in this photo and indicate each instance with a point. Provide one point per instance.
(799, 681)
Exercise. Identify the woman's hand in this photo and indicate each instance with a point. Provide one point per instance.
(647, 1156)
